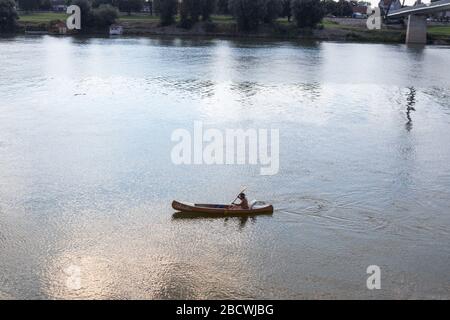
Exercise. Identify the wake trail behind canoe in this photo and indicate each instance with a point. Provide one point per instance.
(338, 214)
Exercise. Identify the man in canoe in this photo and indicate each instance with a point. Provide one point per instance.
(243, 205)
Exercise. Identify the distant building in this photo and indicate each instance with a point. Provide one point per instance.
(359, 9)
(389, 5)
(59, 27)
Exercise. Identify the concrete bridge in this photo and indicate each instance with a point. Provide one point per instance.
(417, 18)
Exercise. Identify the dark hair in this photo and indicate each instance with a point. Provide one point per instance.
(242, 195)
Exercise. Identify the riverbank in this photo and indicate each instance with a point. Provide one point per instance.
(331, 29)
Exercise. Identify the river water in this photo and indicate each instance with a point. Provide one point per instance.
(86, 177)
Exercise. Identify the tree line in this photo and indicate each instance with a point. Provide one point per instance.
(123, 5)
(249, 14)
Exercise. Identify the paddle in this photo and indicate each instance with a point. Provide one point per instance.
(238, 195)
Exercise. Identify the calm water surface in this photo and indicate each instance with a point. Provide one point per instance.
(86, 179)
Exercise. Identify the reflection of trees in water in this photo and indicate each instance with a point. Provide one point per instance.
(410, 102)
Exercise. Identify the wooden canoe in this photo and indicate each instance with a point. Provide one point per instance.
(220, 209)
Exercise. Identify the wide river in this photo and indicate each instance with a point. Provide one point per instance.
(87, 178)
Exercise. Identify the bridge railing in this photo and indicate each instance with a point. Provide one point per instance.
(443, 5)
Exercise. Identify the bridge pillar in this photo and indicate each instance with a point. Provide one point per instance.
(417, 29)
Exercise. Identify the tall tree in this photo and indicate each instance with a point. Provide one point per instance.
(273, 9)
(104, 16)
(167, 10)
(307, 13)
(156, 4)
(286, 9)
(190, 11)
(330, 7)
(129, 6)
(248, 13)
(222, 7)
(208, 7)
(45, 4)
(8, 15)
(344, 9)
(28, 5)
